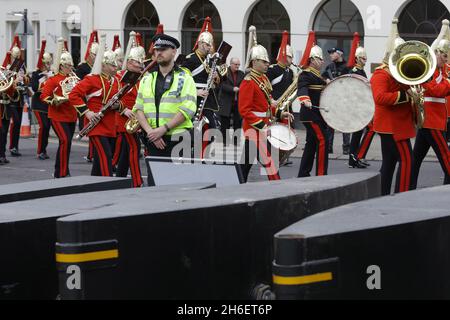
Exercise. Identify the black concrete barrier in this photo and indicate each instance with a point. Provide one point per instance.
(394, 247)
(209, 244)
(28, 236)
(59, 187)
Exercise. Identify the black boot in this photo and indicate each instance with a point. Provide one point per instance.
(364, 162)
(353, 162)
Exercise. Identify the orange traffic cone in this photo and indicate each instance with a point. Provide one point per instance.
(25, 127)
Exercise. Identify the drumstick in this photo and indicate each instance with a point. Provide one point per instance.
(279, 139)
(322, 108)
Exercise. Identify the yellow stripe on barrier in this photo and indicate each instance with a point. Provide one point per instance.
(301, 280)
(86, 257)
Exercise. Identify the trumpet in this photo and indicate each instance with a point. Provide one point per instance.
(413, 63)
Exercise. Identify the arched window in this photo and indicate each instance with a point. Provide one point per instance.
(335, 24)
(193, 20)
(143, 18)
(422, 20)
(270, 19)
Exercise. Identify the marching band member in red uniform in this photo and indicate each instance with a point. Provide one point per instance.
(128, 154)
(97, 89)
(82, 71)
(310, 86)
(256, 107)
(432, 133)
(394, 122)
(61, 113)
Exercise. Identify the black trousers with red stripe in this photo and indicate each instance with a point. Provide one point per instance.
(394, 152)
(213, 123)
(14, 129)
(316, 147)
(117, 150)
(365, 143)
(4, 132)
(359, 147)
(102, 161)
(435, 139)
(129, 158)
(64, 131)
(259, 150)
(44, 131)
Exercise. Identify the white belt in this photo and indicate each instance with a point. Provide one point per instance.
(201, 85)
(198, 70)
(261, 114)
(438, 100)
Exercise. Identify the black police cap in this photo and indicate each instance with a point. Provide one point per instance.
(333, 50)
(161, 41)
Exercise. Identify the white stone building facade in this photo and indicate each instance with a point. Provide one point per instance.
(74, 20)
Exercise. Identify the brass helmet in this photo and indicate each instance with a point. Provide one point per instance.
(289, 51)
(205, 34)
(66, 59)
(206, 37)
(62, 56)
(134, 50)
(258, 52)
(316, 52)
(47, 58)
(255, 50)
(109, 57)
(360, 53)
(16, 48)
(137, 54)
(442, 42)
(15, 52)
(94, 49)
(119, 53)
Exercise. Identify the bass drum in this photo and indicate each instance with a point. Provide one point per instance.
(284, 139)
(346, 103)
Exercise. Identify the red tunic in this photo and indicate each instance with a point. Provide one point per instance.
(128, 100)
(96, 90)
(393, 110)
(435, 102)
(254, 106)
(63, 112)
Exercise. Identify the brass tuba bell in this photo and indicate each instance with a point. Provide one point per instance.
(413, 63)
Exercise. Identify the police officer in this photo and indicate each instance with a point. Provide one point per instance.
(166, 100)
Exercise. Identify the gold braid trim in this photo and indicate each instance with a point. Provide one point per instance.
(264, 83)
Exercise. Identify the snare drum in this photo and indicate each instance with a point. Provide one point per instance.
(283, 139)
